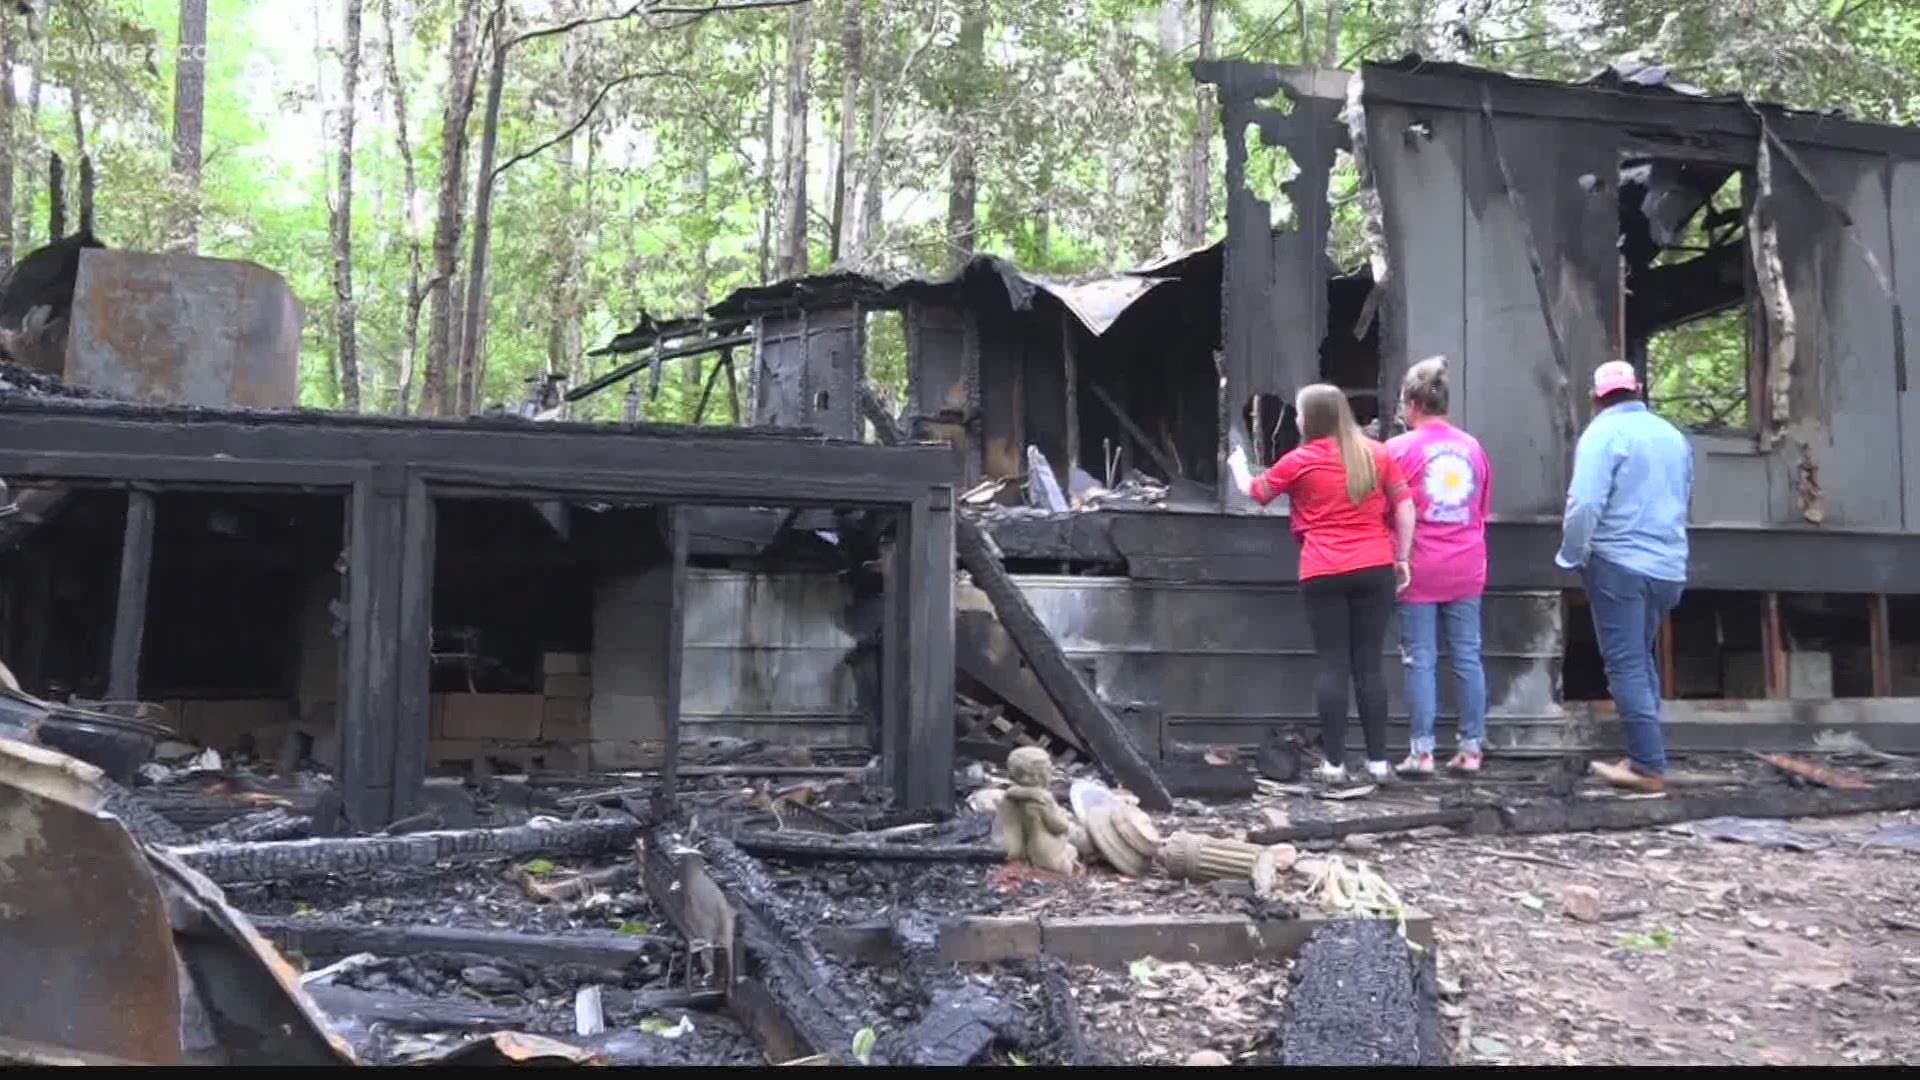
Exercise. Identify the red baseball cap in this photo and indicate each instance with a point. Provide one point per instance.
(1614, 375)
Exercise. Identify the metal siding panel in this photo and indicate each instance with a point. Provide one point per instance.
(1905, 210)
(1419, 181)
(1223, 663)
(766, 657)
(1731, 481)
(1856, 347)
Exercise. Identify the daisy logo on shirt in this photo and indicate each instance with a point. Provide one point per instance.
(1447, 481)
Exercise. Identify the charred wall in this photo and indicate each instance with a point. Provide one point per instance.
(1500, 201)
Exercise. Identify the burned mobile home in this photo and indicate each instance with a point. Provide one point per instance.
(1529, 231)
(380, 595)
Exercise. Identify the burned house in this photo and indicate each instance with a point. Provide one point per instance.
(1528, 231)
(379, 596)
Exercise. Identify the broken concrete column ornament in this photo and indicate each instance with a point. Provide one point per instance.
(1192, 857)
(1029, 825)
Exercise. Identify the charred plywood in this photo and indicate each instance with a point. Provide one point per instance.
(1845, 392)
(1418, 157)
(184, 330)
(1903, 210)
(807, 370)
(943, 366)
(1274, 281)
(1542, 290)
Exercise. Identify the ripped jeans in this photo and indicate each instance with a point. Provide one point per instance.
(1420, 629)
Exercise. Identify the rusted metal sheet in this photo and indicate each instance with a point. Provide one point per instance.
(185, 330)
(116, 951)
(1100, 302)
(90, 962)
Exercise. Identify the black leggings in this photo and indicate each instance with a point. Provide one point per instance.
(1348, 614)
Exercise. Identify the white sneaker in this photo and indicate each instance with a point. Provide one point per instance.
(1329, 773)
(1380, 771)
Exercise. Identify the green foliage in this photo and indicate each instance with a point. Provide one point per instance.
(1080, 114)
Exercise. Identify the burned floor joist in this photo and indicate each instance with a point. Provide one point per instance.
(802, 847)
(600, 949)
(777, 981)
(1541, 817)
(1104, 941)
(308, 860)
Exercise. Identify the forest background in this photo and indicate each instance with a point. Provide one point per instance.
(601, 158)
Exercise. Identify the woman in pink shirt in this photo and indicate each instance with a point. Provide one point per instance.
(1450, 479)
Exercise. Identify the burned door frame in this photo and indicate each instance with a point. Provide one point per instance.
(391, 471)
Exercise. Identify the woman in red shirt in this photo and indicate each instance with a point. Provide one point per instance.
(1345, 489)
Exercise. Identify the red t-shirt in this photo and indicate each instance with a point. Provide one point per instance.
(1336, 535)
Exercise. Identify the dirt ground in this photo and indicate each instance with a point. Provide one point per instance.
(1707, 952)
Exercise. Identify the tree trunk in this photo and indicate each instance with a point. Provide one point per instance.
(690, 368)
(850, 61)
(963, 180)
(1330, 58)
(342, 217)
(79, 115)
(793, 196)
(8, 37)
(1193, 220)
(189, 119)
(447, 225)
(867, 234)
(473, 336)
(566, 225)
(25, 225)
(410, 328)
(768, 211)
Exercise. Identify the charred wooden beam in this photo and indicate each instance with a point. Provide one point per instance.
(1379, 823)
(1081, 708)
(770, 845)
(1105, 941)
(312, 937)
(304, 860)
(1766, 801)
(1880, 645)
(1358, 998)
(672, 658)
(408, 1013)
(777, 980)
(1133, 430)
(130, 603)
(655, 359)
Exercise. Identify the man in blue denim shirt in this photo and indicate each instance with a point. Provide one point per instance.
(1626, 532)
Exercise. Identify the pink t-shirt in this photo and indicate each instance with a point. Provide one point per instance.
(1449, 477)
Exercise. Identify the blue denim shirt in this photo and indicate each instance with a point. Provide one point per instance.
(1632, 483)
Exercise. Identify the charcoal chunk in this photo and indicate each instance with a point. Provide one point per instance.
(1359, 997)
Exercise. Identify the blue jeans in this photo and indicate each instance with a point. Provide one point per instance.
(1420, 627)
(1627, 609)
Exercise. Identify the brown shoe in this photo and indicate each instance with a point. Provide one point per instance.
(1624, 775)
